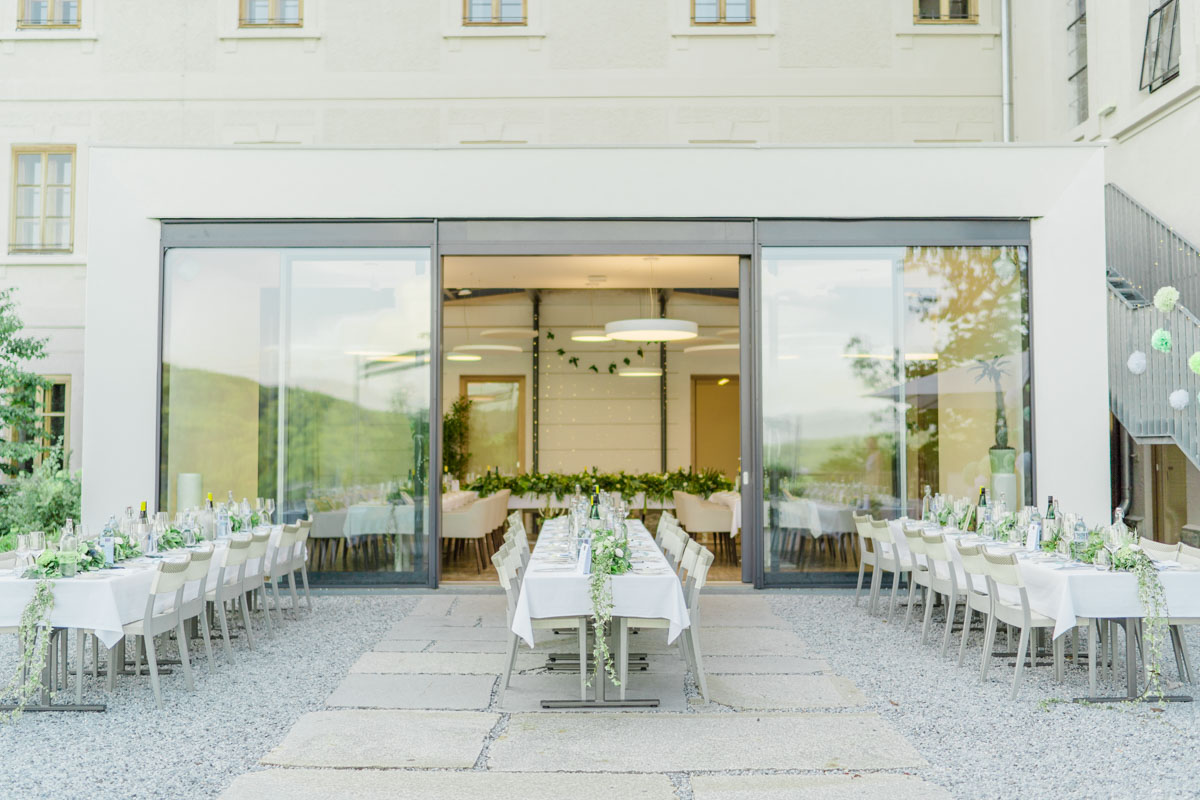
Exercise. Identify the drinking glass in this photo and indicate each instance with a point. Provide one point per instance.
(270, 509)
(1102, 559)
(37, 543)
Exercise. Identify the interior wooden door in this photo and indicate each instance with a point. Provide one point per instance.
(1170, 493)
(716, 441)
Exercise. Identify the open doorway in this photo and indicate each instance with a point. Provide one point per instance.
(539, 396)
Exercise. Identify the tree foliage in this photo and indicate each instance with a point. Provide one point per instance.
(20, 414)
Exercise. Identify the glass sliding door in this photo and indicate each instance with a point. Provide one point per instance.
(303, 375)
(885, 370)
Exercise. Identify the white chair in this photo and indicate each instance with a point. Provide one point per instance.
(507, 570)
(866, 550)
(919, 566)
(1183, 662)
(1160, 551)
(663, 528)
(1010, 605)
(291, 558)
(674, 543)
(469, 524)
(887, 559)
(515, 537)
(689, 639)
(704, 516)
(254, 576)
(943, 580)
(162, 615)
(194, 590)
(975, 572)
(228, 588)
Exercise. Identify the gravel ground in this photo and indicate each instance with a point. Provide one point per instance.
(203, 739)
(982, 745)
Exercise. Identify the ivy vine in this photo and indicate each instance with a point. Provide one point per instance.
(610, 556)
(34, 638)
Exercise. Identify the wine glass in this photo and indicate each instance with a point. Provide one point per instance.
(270, 505)
(37, 543)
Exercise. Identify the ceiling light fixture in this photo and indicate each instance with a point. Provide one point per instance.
(704, 348)
(509, 333)
(590, 335)
(488, 348)
(640, 372)
(723, 381)
(463, 357)
(651, 330)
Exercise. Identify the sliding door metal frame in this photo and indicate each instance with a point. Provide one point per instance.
(322, 233)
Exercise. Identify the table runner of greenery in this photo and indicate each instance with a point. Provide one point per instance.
(653, 486)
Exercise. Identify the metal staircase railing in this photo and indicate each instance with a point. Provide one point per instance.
(1144, 254)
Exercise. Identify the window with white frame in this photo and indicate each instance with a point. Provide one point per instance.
(1160, 55)
(48, 13)
(722, 12)
(271, 14)
(43, 199)
(945, 11)
(1077, 60)
(495, 12)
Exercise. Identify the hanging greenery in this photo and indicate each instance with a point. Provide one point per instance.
(33, 636)
(1128, 558)
(652, 486)
(610, 556)
(574, 360)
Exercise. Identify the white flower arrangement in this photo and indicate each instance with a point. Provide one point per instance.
(1166, 298)
(1136, 362)
(1179, 399)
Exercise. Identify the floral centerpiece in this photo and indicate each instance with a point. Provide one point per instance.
(610, 556)
(1131, 558)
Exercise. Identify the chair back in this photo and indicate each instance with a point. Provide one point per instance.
(881, 531)
(506, 572)
(1159, 551)
(300, 549)
(691, 552)
(238, 551)
(198, 565)
(667, 517)
(974, 565)
(662, 529)
(1002, 568)
(171, 575)
(516, 522)
(258, 545)
(673, 547)
(499, 509)
(916, 545)
(682, 507)
(1189, 554)
(866, 534)
(696, 579)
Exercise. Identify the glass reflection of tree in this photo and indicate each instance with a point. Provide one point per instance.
(975, 314)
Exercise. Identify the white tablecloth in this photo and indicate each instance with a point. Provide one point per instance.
(565, 594)
(817, 517)
(1066, 595)
(106, 600)
(734, 501)
(363, 519)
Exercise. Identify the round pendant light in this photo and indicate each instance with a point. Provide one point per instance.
(463, 357)
(509, 333)
(590, 335)
(651, 330)
(729, 333)
(640, 372)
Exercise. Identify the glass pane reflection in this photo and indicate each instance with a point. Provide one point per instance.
(886, 370)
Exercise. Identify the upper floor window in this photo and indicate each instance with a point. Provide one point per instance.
(271, 14)
(494, 12)
(722, 12)
(43, 199)
(1077, 59)
(49, 14)
(1160, 56)
(943, 11)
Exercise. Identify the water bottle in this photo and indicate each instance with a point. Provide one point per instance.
(223, 526)
(926, 505)
(108, 541)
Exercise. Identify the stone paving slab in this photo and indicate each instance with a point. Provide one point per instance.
(783, 691)
(699, 742)
(327, 784)
(359, 690)
(763, 665)
(442, 663)
(460, 646)
(420, 621)
(815, 787)
(527, 692)
(479, 604)
(403, 630)
(722, 641)
(383, 739)
(739, 611)
(434, 604)
(402, 645)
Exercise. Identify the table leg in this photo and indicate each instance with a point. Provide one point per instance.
(600, 679)
(1131, 675)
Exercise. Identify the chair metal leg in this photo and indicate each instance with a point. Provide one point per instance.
(989, 640)
(862, 567)
(949, 624)
(224, 629)
(928, 614)
(623, 647)
(583, 628)
(183, 657)
(912, 586)
(79, 636)
(1022, 646)
(1093, 630)
(152, 660)
(205, 633)
(968, 615)
(304, 577)
(241, 601)
(510, 658)
(892, 602)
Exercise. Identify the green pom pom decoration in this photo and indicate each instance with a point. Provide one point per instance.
(1161, 341)
(1166, 298)
(1194, 362)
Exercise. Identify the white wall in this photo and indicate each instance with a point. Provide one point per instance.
(132, 188)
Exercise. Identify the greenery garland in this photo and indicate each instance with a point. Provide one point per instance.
(34, 637)
(610, 556)
(652, 486)
(1151, 595)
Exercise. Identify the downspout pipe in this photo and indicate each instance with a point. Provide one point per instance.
(1126, 474)
(1006, 70)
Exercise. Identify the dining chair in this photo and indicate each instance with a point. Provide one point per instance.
(663, 528)
(1010, 605)
(254, 577)
(943, 581)
(1159, 551)
(975, 572)
(281, 560)
(674, 544)
(919, 568)
(228, 588)
(162, 614)
(689, 638)
(293, 562)
(300, 560)
(468, 524)
(866, 551)
(510, 579)
(704, 516)
(1183, 662)
(887, 559)
(194, 590)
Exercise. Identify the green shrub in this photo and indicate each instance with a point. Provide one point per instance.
(41, 500)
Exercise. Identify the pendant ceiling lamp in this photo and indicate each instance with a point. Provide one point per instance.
(640, 372)
(488, 348)
(651, 329)
(589, 335)
(704, 348)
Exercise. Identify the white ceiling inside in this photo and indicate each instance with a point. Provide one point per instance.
(590, 272)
